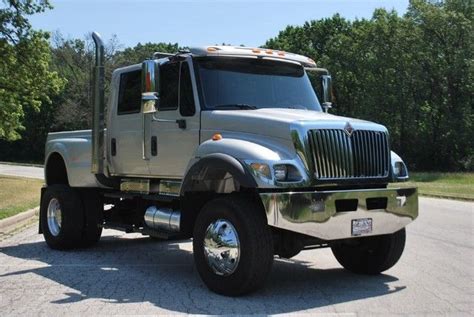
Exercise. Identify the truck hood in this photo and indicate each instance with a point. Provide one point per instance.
(277, 122)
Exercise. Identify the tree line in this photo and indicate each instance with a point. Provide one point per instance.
(412, 73)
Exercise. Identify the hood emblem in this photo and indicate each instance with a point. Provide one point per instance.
(348, 129)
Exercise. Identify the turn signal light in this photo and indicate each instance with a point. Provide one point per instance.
(262, 170)
(217, 137)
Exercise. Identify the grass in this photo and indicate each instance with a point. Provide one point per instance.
(18, 194)
(446, 185)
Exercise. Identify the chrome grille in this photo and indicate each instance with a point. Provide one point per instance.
(336, 155)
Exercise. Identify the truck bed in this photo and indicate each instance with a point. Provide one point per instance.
(75, 147)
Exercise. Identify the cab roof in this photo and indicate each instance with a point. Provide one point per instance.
(217, 50)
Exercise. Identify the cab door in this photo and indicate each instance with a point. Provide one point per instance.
(125, 133)
(172, 146)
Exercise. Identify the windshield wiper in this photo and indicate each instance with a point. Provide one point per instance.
(236, 106)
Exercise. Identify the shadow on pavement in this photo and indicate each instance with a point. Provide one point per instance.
(123, 270)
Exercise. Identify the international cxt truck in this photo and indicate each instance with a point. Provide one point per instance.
(232, 147)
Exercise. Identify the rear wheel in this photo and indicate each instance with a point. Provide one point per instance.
(233, 246)
(371, 255)
(70, 217)
(62, 217)
(93, 213)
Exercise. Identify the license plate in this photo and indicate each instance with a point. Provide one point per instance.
(361, 226)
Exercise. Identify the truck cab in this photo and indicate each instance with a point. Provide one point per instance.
(233, 147)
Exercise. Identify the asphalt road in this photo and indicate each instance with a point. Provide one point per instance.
(132, 274)
(23, 171)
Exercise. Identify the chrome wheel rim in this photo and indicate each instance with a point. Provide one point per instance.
(54, 216)
(222, 247)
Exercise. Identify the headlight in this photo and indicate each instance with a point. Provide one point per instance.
(399, 169)
(280, 172)
(286, 173)
(262, 170)
(269, 173)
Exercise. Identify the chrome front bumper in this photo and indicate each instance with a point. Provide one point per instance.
(319, 214)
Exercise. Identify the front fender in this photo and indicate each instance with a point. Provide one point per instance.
(218, 173)
(240, 149)
(247, 151)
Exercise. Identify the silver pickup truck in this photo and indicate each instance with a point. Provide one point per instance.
(230, 146)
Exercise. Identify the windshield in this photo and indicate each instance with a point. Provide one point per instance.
(248, 83)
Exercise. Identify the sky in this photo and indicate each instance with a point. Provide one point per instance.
(194, 23)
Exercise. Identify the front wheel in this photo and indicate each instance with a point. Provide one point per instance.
(371, 255)
(233, 246)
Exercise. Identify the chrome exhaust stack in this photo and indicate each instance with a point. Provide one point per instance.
(98, 107)
(163, 219)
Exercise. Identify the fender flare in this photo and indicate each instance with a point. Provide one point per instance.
(211, 167)
(56, 150)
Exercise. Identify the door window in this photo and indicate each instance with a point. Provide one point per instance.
(186, 97)
(176, 88)
(169, 86)
(129, 100)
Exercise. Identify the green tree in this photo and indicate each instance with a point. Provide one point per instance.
(412, 73)
(26, 81)
(445, 86)
(73, 60)
(141, 52)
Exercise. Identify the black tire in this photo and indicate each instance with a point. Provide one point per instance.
(256, 245)
(371, 255)
(72, 217)
(93, 213)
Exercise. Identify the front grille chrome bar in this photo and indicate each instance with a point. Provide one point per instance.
(337, 155)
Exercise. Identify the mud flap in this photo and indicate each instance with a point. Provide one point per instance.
(43, 189)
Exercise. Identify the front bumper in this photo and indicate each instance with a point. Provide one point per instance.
(323, 214)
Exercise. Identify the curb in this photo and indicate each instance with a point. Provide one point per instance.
(22, 164)
(11, 223)
(466, 199)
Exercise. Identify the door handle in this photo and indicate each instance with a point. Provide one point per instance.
(154, 146)
(113, 147)
(181, 122)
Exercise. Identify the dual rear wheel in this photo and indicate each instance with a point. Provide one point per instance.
(70, 217)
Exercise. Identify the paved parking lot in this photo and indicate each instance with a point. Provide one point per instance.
(132, 274)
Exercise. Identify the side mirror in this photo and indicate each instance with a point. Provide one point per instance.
(150, 86)
(326, 82)
(149, 101)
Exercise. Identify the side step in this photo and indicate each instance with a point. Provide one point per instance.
(143, 230)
